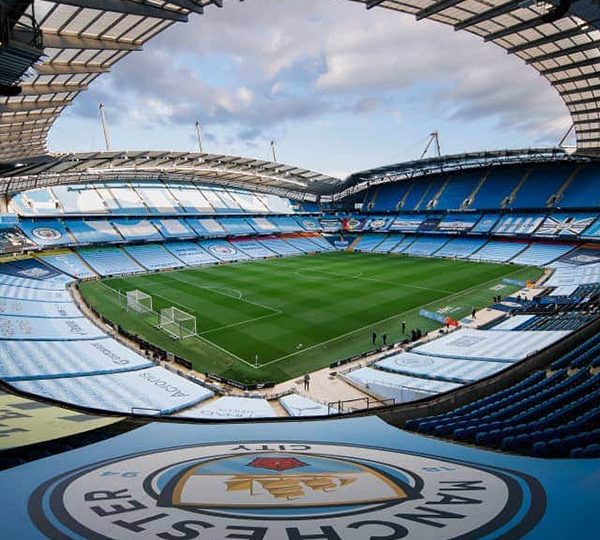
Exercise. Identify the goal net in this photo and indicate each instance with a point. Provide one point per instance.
(138, 301)
(177, 323)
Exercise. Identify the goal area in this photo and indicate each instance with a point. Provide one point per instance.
(138, 301)
(177, 323)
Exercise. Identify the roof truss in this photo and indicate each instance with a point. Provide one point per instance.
(129, 7)
(515, 25)
(436, 8)
(584, 47)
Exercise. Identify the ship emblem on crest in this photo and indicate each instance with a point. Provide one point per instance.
(273, 480)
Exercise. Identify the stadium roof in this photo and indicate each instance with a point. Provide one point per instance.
(241, 172)
(453, 163)
(184, 166)
(84, 38)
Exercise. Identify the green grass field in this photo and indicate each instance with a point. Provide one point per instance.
(271, 320)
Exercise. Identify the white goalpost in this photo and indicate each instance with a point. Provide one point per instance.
(138, 301)
(177, 323)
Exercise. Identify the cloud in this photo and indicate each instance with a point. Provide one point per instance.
(524, 102)
(259, 68)
(367, 105)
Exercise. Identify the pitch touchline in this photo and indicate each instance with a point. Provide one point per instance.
(198, 336)
(384, 320)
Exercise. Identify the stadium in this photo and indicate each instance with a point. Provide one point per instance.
(199, 345)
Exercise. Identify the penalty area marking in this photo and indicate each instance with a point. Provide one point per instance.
(239, 323)
(198, 336)
(218, 290)
(237, 294)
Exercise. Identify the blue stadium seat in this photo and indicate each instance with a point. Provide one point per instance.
(263, 225)
(29, 360)
(497, 186)
(151, 390)
(540, 186)
(461, 247)
(321, 243)
(388, 244)
(206, 227)
(542, 254)
(286, 224)
(237, 226)
(457, 191)
(415, 194)
(279, 246)
(69, 263)
(498, 251)
(425, 246)
(223, 250)
(190, 253)
(542, 415)
(134, 229)
(93, 231)
(253, 249)
(304, 244)
(174, 228)
(107, 261)
(368, 242)
(385, 198)
(584, 189)
(47, 232)
(153, 256)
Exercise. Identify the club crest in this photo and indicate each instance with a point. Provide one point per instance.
(219, 249)
(46, 233)
(278, 491)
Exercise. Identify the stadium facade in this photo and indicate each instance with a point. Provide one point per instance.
(104, 435)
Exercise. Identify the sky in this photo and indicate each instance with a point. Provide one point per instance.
(338, 88)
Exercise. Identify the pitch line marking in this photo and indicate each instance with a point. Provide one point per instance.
(172, 302)
(210, 343)
(239, 323)
(301, 271)
(238, 294)
(403, 313)
(198, 336)
(217, 291)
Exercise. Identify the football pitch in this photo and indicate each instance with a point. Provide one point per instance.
(271, 320)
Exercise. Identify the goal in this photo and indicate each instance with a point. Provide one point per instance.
(177, 323)
(138, 301)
